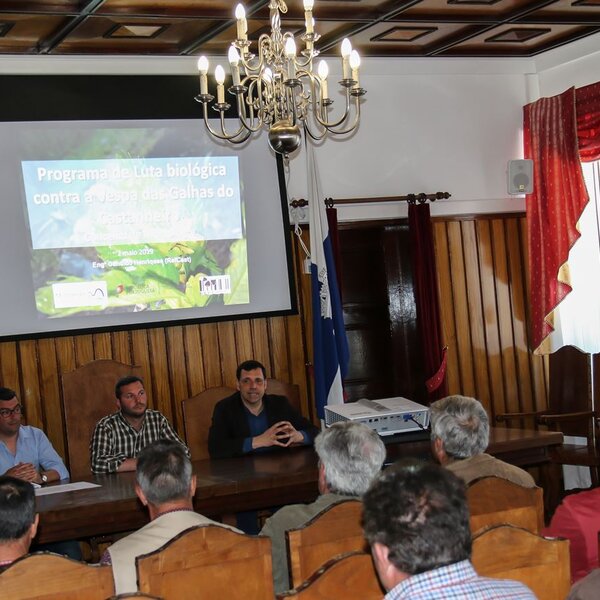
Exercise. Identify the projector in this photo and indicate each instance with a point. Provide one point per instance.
(387, 416)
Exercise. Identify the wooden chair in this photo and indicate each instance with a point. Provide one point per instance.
(198, 411)
(197, 417)
(89, 395)
(351, 576)
(208, 562)
(508, 552)
(334, 531)
(48, 576)
(583, 423)
(495, 501)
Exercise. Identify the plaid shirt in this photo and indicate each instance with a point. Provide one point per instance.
(458, 581)
(115, 439)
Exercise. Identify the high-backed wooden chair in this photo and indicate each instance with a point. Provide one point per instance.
(351, 576)
(210, 562)
(198, 411)
(89, 395)
(290, 390)
(508, 552)
(197, 417)
(495, 501)
(334, 531)
(48, 576)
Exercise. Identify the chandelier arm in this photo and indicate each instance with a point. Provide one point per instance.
(225, 136)
(331, 129)
(332, 125)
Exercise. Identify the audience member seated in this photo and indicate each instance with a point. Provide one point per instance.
(251, 421)
(577, 519)
(417, 522)
(460, 432)
(587, 588)
(18, 519)
(165, 484)
(119, 438)
(350, 455)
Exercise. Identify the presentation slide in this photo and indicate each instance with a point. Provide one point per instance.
(137, 222)
(135, 234)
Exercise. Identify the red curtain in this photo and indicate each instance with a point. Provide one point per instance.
(426, 297)
(554, 129)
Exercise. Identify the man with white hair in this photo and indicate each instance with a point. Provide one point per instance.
(166, 485)
(460, 433)
(350, 456)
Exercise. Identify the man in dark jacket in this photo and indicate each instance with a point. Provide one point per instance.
(251, 421)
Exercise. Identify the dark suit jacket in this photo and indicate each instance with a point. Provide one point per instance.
(230, 427)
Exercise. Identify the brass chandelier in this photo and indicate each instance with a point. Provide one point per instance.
(278, 89)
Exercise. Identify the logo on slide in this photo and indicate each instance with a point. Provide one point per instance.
(216, 284)
(80, 294)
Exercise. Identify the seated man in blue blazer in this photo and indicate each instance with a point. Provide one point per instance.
(252, 421)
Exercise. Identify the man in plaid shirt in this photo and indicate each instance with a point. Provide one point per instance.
(416, 519)
(119, 438)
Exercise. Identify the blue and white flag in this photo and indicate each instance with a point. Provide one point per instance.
(330, 345)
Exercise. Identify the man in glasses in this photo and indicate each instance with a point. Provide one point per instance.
(25, 451)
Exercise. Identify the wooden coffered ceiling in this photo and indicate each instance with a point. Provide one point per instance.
(418, 28)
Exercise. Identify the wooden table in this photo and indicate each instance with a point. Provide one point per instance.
(251, 482)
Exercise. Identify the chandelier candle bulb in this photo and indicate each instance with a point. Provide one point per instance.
(242, 25)
(346, 51)
(323, 71)
(234, 60)
(203, 68)
(308, 6)
(290, 54)
(220, 77)
(354, 64)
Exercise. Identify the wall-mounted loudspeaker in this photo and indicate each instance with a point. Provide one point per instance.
(520, 176)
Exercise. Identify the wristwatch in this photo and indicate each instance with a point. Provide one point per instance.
(44, 478)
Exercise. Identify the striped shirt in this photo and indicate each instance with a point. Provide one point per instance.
(458, 581)
(115, 440)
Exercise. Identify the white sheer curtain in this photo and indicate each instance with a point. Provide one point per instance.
(577, 318)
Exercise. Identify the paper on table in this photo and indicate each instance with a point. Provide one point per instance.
(65, 487)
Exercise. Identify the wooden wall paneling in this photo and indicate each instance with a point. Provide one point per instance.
(161, 390)
(260, 342)
(228, 352)
(178, 376)
(474, 302)
(244, 343)
(490, 313)
(444, 274)
(30, 397)
(518, 301)
(461, 311)
(140, 355)
(84, 349)
(9, 367)
(539, 364)
(102, 346)
(511, 401)
(277, 337)
(50, 392)
(211, 355)
(65, 355)
(193, 360)
(121, 347)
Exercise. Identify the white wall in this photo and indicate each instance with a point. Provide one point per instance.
(577, 64)
(427, 126)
